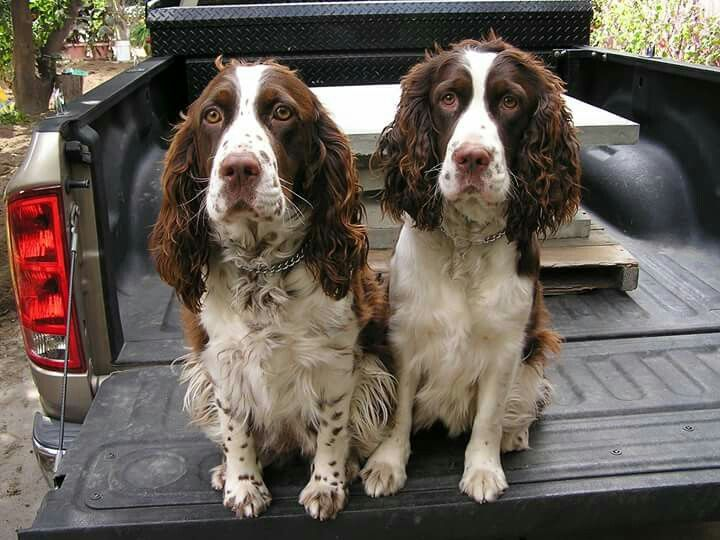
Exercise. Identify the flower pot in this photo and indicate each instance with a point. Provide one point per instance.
(122, 50)
(75, 51)
(100, 51)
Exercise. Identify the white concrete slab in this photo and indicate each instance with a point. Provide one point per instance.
(363, 111)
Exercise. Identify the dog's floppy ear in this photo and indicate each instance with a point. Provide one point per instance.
(547, 177)
(336, 244)
(407, 151)
(179, 241)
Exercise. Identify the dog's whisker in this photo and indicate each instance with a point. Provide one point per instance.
(287, 186)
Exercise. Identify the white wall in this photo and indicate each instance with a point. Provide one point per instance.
(712, 7)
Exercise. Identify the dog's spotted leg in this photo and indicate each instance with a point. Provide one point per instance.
(327, 491)
(483, 478)
(384, 473)
(244, 491)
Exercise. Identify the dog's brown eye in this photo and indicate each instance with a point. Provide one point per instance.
(448, 99)
(213, 116)
(282, 112)
(509, 102)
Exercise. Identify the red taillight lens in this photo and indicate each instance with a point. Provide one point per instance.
(39, 257)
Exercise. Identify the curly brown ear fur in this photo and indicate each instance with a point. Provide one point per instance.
(547, 175)
(407, 152)
(336, 243)
(179, 241)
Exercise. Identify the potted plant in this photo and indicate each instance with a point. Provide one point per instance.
(120, 20)
(100, 42)
(99, 31)
(140, 38)
(75, 43)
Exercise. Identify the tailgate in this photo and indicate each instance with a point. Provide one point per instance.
(632, 440)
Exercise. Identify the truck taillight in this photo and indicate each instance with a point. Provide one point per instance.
(40, 274)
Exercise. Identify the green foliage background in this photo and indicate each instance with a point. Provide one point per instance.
(49, 15)
(5, 40)
(678, 29)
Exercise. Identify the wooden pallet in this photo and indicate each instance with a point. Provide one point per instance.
(570, 265)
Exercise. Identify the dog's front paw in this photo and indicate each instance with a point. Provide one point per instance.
(246, 496)
(383, 477)
(515, 440)
(322, 500)
(485, 483)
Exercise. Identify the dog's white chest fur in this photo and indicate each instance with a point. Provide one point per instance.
(267, 363)
(454, 329)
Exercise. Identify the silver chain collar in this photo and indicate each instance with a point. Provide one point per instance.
(483, 241)
(262, 269)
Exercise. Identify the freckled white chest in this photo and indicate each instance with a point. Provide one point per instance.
(271, 366)
(452, 330)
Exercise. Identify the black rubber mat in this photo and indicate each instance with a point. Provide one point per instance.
(634, 432)
(678, 292)
(297, 28)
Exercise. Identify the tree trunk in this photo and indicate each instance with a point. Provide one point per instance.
(34, 74)
(31, 93)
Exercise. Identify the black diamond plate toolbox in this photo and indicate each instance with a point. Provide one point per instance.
(298, 28)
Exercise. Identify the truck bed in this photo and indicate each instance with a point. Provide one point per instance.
(678, 292)
(630, 447)
(633, 434)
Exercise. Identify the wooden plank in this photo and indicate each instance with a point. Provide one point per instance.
(363, 111)
(568, 265)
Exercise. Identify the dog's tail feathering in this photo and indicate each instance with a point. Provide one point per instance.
(372, 404)
(199, 402)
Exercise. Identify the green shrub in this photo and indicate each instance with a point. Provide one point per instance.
(677, 29)
(98, 21)
(139, 35)
(10, 115)
(48, 15)
(5, 41)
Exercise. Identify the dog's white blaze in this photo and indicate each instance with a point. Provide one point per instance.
(476, 126)
(476, 119)
(246, 133)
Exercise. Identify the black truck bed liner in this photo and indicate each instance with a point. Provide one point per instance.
(634, 433)
(678, 292)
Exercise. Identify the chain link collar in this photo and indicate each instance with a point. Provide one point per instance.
(262, 269)
(483, 241)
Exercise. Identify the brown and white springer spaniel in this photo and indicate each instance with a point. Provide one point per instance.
(260, 234)
(481, 157)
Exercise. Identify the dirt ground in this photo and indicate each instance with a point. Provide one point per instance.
(21, 483)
